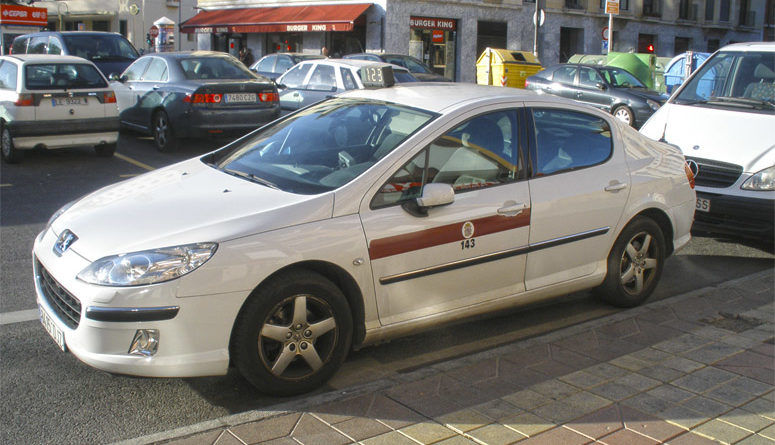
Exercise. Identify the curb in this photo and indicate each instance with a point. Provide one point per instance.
(369, 387)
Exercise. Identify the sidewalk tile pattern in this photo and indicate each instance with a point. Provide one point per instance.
(691, 370)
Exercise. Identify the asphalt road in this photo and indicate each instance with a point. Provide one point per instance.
(49, 396)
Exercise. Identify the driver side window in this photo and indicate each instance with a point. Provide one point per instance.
(480, 153)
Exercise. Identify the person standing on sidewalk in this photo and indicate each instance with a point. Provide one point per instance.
(246, 56)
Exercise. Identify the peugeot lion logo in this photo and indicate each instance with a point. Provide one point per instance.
(65, 240)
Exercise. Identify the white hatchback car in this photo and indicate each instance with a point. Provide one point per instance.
(723, 119)
(53, 101)
(364, 217)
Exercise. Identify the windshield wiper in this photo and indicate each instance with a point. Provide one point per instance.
(251, 177)
(742, 101)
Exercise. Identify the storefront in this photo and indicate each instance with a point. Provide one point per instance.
(433, 40)
(16, 20)
(338, 27)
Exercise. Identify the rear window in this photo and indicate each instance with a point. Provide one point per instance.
(101, 47)
(214, 68)
(66, 76)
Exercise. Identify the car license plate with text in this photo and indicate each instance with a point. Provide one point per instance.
(232, 98)
(703, 205)
(52, 329)
(65, 101)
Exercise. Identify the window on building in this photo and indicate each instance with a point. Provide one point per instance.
(652, 8)
(710, 6)
(122, 27)
(681, 45)
(100, 25)
(724, 11)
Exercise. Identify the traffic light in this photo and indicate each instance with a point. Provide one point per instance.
(148, 38)
(650, 48)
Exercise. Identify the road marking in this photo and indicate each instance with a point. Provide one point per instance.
(129, 176)
(18, 316)
(133, 162)
(6, 185)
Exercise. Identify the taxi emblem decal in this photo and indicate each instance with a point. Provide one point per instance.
(65, 240)
(468, 229)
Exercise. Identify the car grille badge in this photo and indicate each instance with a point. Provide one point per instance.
(65, 240)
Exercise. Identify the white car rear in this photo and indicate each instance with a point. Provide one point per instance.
(49, 101)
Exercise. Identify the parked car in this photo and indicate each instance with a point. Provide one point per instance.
(612, 89)
(314, 80)
(110, 51)
(193, 94)
(364, 217)
(723, 118)
(274, 65)
(50, 102)
(421, 71)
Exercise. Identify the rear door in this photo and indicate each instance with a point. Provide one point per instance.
(563, 82)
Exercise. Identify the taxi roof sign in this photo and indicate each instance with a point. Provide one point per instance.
(378, 75)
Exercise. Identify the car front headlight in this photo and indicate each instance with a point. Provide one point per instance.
(761, 181)
(653, 104)
(149, 266)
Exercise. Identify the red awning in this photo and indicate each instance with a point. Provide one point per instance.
(279, 19)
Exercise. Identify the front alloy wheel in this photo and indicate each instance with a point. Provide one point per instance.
(292, 334)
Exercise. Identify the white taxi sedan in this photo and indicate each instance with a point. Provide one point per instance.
(364, 217)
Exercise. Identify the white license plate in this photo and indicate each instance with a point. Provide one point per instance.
(232, 98)
(703, 205)
(68, 101)
(52, 329)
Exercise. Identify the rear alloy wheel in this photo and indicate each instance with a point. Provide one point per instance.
(10, 154)
(105, 150)
(624, 114)
(163, 136)
(293, 334)
(634, 264)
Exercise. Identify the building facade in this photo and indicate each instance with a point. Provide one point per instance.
(131, 18)
(449, 35)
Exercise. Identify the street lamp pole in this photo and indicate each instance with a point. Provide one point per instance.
(535, 30)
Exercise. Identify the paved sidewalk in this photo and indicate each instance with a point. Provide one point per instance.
(694, 369)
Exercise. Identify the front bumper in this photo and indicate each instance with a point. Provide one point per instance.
(99, 323)
(736, 215)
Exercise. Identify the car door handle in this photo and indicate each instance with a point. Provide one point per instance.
(616, 186)
(512, 209)
(156, 87)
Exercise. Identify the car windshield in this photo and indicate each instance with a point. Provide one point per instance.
(64, 76)
(214, 68)
(403, 76)
(744, 80)
(100, 47)
(321, 147)
(620, 78)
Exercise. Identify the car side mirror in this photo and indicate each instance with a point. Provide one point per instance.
(601, 86)
(433, 195)
(117, 78)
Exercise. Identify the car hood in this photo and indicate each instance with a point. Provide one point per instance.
(184, 203)
(735, 137)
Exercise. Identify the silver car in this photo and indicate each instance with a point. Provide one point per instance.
(314, 80)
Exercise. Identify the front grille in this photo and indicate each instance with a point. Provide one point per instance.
(716, 174)
(66, 306)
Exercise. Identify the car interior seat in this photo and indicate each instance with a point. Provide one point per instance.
(764, 87)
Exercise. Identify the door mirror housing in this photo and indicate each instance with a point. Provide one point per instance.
(601, 86)
(433, 195)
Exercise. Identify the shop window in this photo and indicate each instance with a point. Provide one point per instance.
(100, 25)
(433, 41)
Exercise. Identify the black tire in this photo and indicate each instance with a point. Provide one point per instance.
(624, 114)
(634, 264)
(105, 150)
(163, 135)
(9, 153)
(292, 334)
